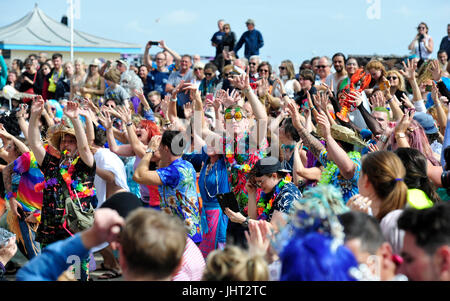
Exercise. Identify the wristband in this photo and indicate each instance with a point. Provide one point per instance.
(129, 124)
(9, 195)
(390, 99)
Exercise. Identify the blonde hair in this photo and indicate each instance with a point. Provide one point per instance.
(235, 264)
(386, 172)
(401, 79)
(290, 68)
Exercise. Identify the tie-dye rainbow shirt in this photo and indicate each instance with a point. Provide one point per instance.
(30, 175)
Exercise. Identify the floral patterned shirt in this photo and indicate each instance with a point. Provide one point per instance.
(55, 194)
(349, 187)
(179, 195)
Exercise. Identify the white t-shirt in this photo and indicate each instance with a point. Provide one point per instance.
(107, 160)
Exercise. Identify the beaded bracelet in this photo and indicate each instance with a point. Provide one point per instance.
(9, 195)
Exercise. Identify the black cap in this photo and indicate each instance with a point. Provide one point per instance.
(268, 165)
(123, 203)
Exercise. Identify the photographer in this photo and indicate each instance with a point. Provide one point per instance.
(422, 44)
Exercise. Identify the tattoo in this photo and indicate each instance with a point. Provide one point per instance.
(311, 142)
(7, 177)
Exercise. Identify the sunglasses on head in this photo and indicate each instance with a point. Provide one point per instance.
(237, 115)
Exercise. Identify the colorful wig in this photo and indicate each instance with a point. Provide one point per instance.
(151, 128)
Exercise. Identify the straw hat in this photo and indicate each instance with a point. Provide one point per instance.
(59, 131)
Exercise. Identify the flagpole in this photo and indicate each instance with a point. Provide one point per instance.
(71, 30)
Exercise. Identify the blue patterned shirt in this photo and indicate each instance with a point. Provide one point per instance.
(179, 195)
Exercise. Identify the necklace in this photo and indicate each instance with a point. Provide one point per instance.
(264, 205)
(217, 182)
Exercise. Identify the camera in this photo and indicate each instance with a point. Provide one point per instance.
(421, 37)
(153, 43)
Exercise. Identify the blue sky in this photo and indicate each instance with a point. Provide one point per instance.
(294, 30)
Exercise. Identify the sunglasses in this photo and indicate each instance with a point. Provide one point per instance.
(252, 64)
(282, 68)
(392, 77)
(263, 70)
(208, 74)
(196, 69)
(321, 66)
(237, 116)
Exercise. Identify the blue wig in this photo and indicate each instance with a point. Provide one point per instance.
(310, 258)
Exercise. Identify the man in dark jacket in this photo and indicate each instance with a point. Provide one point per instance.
(252, 39)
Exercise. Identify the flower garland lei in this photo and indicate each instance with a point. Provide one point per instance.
(80, 190)
(328, 174)
(264, 206)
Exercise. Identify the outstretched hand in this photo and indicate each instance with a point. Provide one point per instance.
(409, 69)
(72, 110)
(38, 105)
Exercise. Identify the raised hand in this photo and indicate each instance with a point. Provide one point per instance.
(406, 102)
(436, 71)
(105, 119)
(377, 100)
(324, 123)
(162, 44)
(409, 70)
(405, 122)
(258, 237)
(263, 87)
(124, 114)
(38, 105)
(321, 101)
(139, 93)
(188, 110)
(242, 81)
(72, 110)
(356, 97)
(155, 142)
(22, 110)
(295, 115)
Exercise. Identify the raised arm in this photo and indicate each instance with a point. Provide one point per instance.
(147, 59)
(72, 111)
(34, 136)
(142, 174)
(335, 153)
(138, 147)
(122, 150)
(21, 147)
(298, 169)
(23, 124)
(441, 118)
(175, 55)
(309, 140)
(410, 74)
(90, 135)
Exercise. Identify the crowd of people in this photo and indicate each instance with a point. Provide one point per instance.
(229, 170)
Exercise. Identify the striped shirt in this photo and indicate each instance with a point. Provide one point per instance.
(193, 264)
